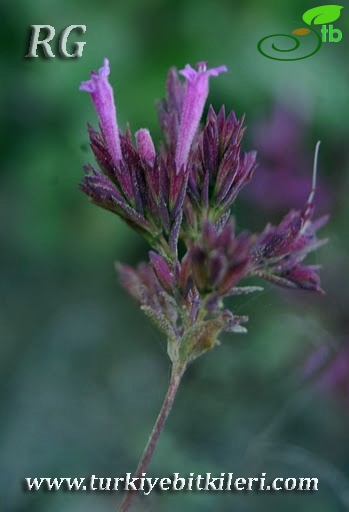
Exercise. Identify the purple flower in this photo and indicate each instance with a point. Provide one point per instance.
(145, 146)
(219, 259)
(103, 100)
(147, 190)
(144, 286)
(279, 250)
(219, 171)
(162, 271)
(185, 192)
(195, 96)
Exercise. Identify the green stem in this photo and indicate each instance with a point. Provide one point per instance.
(176, 377)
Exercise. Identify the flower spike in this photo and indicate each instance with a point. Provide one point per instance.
(103, 100)
(279, 250)
(184, 192)
(179, 199)
(193, 105)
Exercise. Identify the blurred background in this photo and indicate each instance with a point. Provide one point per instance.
(83, 373)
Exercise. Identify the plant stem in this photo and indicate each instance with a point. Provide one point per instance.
(176, 377)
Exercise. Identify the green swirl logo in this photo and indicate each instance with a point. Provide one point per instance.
(269, 46)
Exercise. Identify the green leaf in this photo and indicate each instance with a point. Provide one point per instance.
(322, 14)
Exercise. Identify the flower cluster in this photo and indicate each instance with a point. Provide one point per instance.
(184, 192)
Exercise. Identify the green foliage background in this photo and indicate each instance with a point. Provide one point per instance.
(83, 372)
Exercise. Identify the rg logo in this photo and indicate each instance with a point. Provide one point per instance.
(62, 42)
